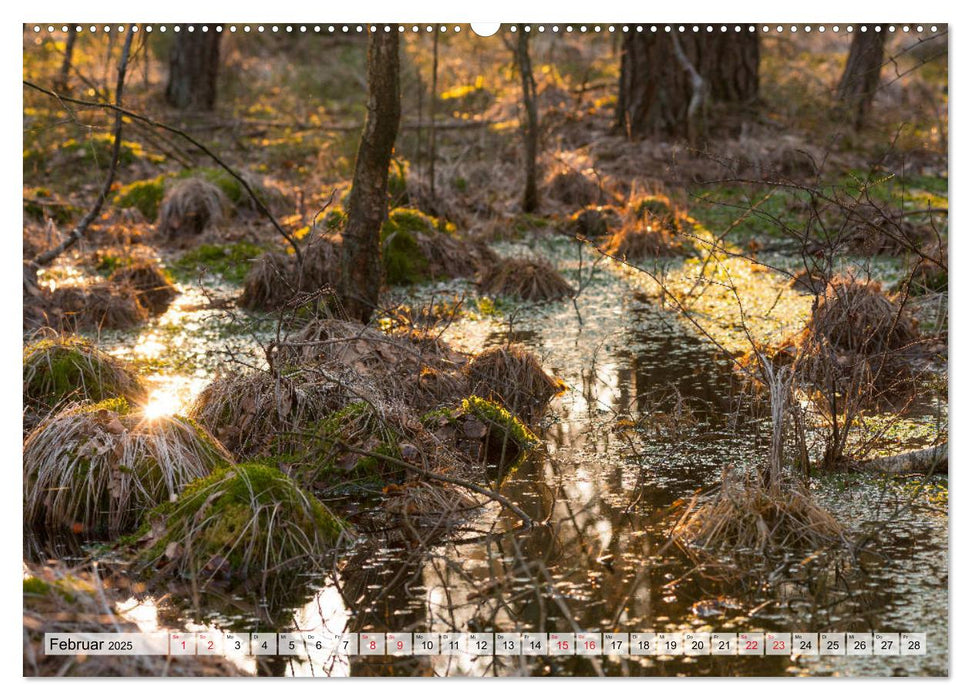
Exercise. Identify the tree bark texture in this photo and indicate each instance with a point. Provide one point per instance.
(861, 77)
(368, 202)
(531, 130)
(193, 69)
(655, 91)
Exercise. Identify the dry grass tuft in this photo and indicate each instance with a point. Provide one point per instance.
(513, 377)
(99, 306)
(154, 290)
(190, 207)
(857, 316)
(595, 222)
(99, 467)
(576, 189)
(530, 278)
(740, 527)
(256, 413)
(276, 280)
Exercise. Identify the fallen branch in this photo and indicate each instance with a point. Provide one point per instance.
(926, 461)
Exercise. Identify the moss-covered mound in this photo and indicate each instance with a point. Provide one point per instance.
(417, 247)
(658, 208)
(241, 521)
(529, 278)
(67, 368)
(100, 467)
(256, 414)
(512, 376)
(143, 195)
(483, 431)
(152, 286)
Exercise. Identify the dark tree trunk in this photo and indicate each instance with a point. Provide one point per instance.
(367, 206)
(656, 90)
(861, 75)
(531, 130)
(193, 67)
(64, 76)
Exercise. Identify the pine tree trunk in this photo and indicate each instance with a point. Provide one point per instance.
(193, 68)
(655, 91)
(861, 77)
(367, 207)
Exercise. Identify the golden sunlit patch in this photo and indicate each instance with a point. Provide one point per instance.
(162, 403)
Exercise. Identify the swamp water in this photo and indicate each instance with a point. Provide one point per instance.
(650, 417)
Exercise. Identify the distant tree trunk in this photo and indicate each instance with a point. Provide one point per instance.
(193, 67)
(657, 89)
(64, 76)
(368, 203)
(861, 75)
(531, 132)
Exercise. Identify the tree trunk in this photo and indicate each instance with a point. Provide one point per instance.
(656, 88)
(368, 202)
(531, 130)
(861, 75)
(64, 76)
(193, 67)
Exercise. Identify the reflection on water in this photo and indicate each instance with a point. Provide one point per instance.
(601, 560)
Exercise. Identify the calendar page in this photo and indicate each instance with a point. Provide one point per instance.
(562, 349)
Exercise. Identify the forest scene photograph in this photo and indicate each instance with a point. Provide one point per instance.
(578, 349)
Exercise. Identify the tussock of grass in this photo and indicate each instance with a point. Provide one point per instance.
(276, 280)
(595, 222)
(742, 526)
(97, 306)
(100, 467)
(152, 287)
(512, 376)
(255, 414)
(857, 316)
(241, 521)
(67, 369)
(529, 278)
(574, 188)
(190, 207)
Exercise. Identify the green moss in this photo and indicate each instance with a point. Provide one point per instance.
(35, 586)
(404, 261)
(230, 186)
(251, 516)
(496, 417)
(144, 195)
(70, 368)
(231, 261)
(115, 405)
(322, 459)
